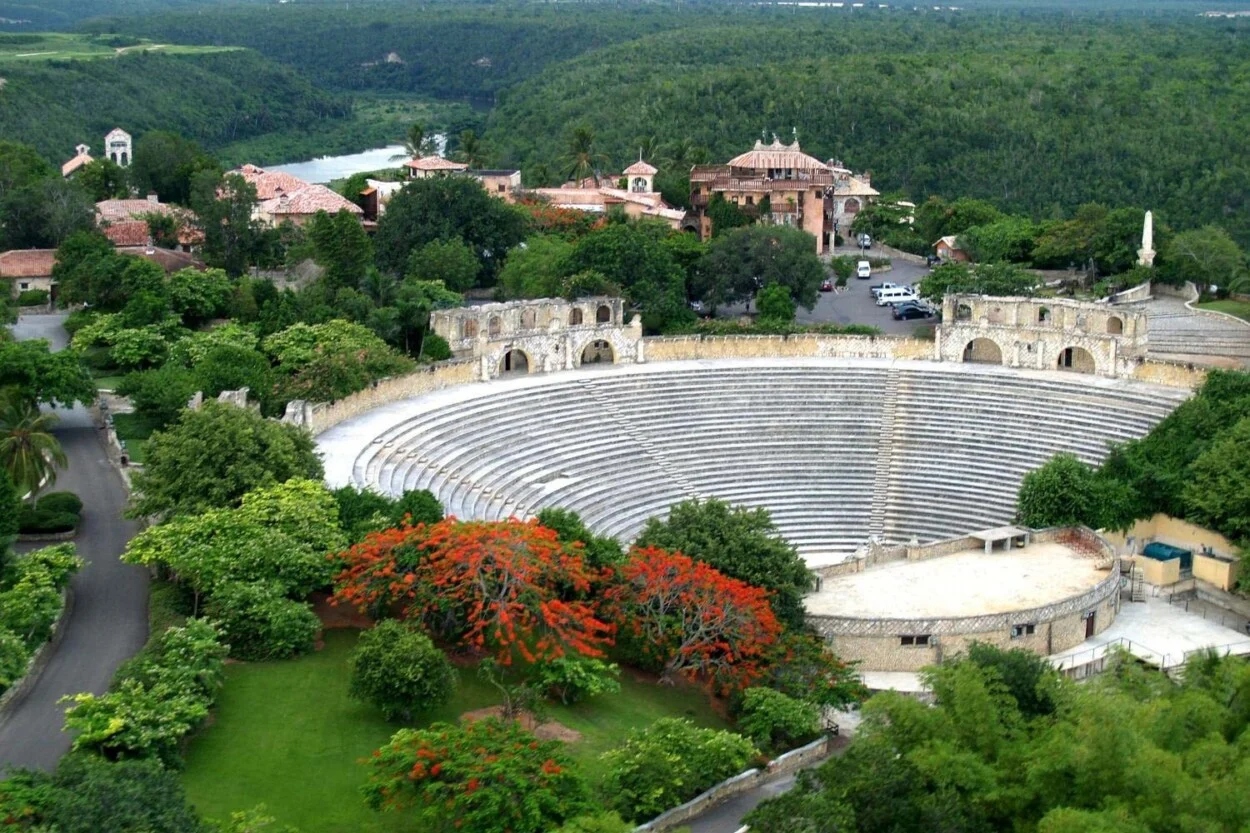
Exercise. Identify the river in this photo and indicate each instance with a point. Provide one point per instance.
(328, 168)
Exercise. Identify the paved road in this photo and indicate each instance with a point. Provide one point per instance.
(109, 621)
(727, 817)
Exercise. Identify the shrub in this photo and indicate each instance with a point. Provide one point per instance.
(36, 521)
(32, 298)
(259, 623)
(573, 678)
(67, 502)
(776, 720)
(398, 669)
(669, 762)
(14, 655)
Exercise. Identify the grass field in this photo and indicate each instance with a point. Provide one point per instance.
(134, 431)
(1241, 309)
(48, 46)
(286, 735)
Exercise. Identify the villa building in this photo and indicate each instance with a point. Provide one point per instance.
(789, 186)
(633, 190)
(281, 197)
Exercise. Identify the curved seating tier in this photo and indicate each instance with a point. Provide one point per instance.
(837, 453)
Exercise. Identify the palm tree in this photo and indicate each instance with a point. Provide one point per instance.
(28, 451)
(582, 158)
(417, 143)
(471, 151)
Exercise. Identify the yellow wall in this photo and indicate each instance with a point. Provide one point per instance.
(1159, 573)
(1217, 571)
(1178, 533)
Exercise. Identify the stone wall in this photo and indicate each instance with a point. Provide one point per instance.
(1170, 374)
(322, 416)
(800, 345)
(1042, 334)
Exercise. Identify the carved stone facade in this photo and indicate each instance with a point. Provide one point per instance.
(1043, 334)
(541, 336)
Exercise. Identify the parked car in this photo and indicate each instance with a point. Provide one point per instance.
(877, 288)
(863, 270)
(826, 286)
(896, 294)
(909, 310)
(865, 241)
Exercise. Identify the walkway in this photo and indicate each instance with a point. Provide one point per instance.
(109, 620)
(1179, 333)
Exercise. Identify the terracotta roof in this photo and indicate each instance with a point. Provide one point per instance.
(114, 210)
(853, 186)
(777, 155)
(27, 263)
(128, 232)
(167, 259)
(269, 184)
(309, 200)
(76, 163)
(640, 168)
(951, 241)
(435, 163)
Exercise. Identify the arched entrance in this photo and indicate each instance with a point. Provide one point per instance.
(514, 361)
(1076, 359)
(575, 317)
(603, 315)
(983, 351)
(1115, 326)
(598, 352)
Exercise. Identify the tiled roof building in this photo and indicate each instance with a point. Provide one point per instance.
(283, 197)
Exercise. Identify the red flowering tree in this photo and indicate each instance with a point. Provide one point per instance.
(485, 776)
(508, 587)
(692, 619)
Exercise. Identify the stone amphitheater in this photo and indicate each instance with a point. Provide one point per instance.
(839, 449)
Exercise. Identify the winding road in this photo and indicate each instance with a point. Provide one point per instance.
(109, 621)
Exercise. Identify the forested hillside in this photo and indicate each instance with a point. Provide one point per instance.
(213, 99)
(449, 51)
(1038, 115)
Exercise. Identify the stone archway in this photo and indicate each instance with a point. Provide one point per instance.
(1077, 360)
(598, 352)
(514, 360)
(1115, 325)
(983, 351)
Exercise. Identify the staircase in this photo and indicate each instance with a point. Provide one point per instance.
(1137, 584)
(885, 444)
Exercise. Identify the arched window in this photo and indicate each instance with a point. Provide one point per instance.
(468, 328)
(851, 206)
(493, 326)
(603, 315)
(527, 319)
(1115, 326)
(963, 313)
(575, 317)
(1043, 315)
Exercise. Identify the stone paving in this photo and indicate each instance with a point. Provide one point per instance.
(1182, 334)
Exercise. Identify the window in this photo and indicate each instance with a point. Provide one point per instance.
(1027, 629)
(501, 187)
(750, 200)
(24, 285)
(918, 641)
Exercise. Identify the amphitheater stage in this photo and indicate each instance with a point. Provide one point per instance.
(962, 584)
(838, 450)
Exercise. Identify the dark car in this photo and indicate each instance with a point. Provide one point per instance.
(826, 286)
(906, 312)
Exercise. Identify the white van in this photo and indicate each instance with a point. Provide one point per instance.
(863, 269)
(894, 295)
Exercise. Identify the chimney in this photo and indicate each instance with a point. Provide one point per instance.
(866, 176)
(153, 198)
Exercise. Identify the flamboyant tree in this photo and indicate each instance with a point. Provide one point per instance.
(507, 587)
(489, 776)
(690, 618)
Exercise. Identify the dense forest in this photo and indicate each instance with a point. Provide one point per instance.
(213, 99)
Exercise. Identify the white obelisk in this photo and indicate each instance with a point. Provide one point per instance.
(1146, 254)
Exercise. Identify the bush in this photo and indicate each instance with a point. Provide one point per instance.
(573, 678)
(32, 298)
(67, 502)
(14, 655)
(36, 521)
(259, 623)
(398, 669)
(435, 348)
(669, 762)
(777, 721)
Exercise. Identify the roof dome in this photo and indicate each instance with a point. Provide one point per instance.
(777, 155)
(640, 168)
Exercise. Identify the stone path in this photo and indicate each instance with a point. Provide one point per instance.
(1181, 334)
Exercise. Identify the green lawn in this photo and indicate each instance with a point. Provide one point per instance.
(285, 734)
(1241, 309)
(45, 46)
(107, 382)
(134, 431)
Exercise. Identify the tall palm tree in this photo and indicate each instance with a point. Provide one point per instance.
(417, 143)
(28, 451)
(471, 150)
(582, 159)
